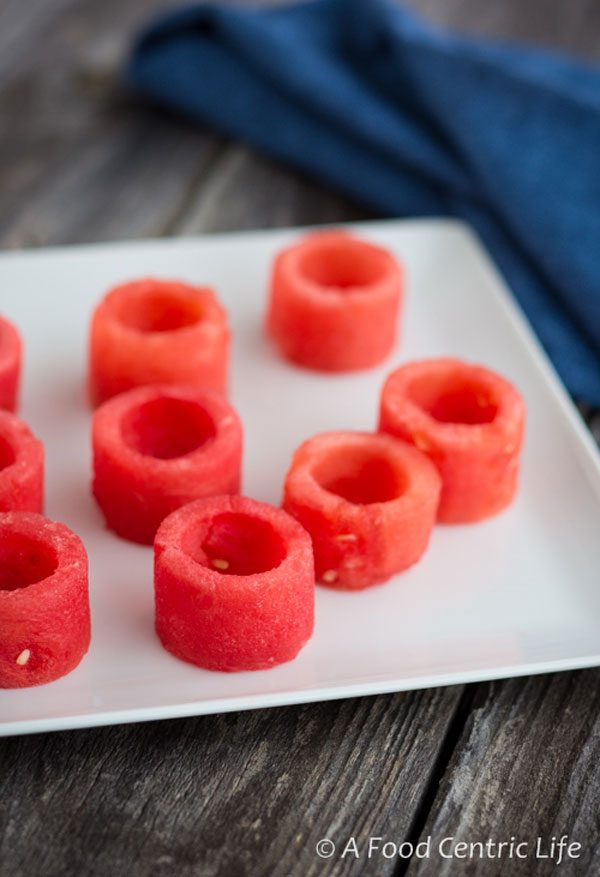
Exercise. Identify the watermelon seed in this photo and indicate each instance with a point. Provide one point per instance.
(329, 576)
(220, 564)
(351, 563)
(346, 537)
(419, 443)
(23, 657)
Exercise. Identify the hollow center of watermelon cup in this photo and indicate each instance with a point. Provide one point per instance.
(342, 263)
(7, 454)
(24, 561)
(359, 475)
(453, 400)
(166, 428)
(159, 311)
(234, 543)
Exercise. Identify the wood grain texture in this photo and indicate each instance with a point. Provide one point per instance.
(247, 191)
(79, 159)
(526, 765)
(250, 793)
(240, 794)
(570, 27)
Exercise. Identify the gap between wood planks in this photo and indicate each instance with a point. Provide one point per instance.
(450, 741)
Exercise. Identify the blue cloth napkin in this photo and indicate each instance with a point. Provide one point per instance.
(414, 122)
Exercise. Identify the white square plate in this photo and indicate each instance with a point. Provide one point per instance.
(515, 595)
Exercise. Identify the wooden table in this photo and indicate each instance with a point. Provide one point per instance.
(251, 793)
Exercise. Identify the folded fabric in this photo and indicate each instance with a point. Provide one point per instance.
(414, 122)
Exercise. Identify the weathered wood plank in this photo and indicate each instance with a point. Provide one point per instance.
(127, 180)
(78, 159)
(246, 191)
(551, 23)
(241, 794)
(594, 424)
(24, 26)
(526, 766)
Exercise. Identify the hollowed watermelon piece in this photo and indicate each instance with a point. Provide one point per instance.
(10, 365)
(21, 467)
(470, 423)
(234, 584)
(157, 332)
(44, 609)
(334, 302)
(157, 448)
(368, 501)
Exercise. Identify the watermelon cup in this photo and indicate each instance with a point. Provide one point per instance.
(368, 501)
(11, 350)
(234, 584)
(44, 607)
(157, 332)
(21, 467)
(157, 448)
(470, 423)
(334, 302)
